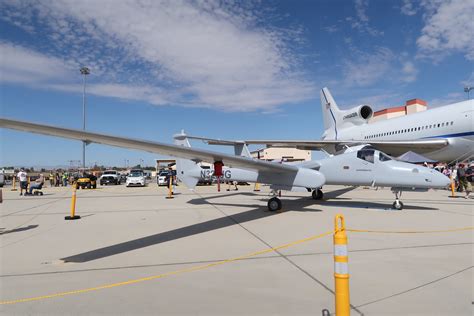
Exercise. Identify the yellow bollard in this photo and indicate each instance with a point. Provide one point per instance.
(14, 184)
(256, 188)
(341, 267)
(452, 187)
(170, 188)
(73, 204)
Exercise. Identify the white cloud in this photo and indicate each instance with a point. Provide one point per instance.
(207, 53)
(450, 98)
(361, 20)
(21, 65)
(368, 68)
(408, 8)
(449, 28)
(409, 71)
(469, 81)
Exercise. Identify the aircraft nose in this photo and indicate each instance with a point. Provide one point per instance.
(439, 179)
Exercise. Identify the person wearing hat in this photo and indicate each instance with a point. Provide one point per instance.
(23, 178)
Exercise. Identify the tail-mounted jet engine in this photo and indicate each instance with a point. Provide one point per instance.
(358, 115)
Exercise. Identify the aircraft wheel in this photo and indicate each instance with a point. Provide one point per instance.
(317, 194)
(274, 204)
(398, 205)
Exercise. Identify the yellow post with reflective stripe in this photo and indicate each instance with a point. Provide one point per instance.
(452, 187)
(341, 269)
(256, 188)
(170, 187)
(14, 184)
(73, 215)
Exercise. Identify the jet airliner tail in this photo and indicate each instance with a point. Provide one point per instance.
(332, 115)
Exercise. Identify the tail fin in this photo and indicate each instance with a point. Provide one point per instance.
(187, 170)
(332, 115)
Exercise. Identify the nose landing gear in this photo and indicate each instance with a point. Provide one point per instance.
(397, 205)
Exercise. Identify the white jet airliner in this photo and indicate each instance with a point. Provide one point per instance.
(445, 133)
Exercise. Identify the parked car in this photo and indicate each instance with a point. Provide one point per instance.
(110, 177)
(2, 180)
(163, 175)
(136, 178)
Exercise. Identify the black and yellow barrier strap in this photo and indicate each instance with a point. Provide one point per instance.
(410, 231)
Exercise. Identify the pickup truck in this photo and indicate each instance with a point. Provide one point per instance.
(110, 177)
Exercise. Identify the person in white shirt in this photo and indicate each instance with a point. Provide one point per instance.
(23, 178)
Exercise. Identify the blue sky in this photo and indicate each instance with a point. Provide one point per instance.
(227, 69)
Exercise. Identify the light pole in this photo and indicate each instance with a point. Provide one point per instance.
(84, 71)
(468, 91)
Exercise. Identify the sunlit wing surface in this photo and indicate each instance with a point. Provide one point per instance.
(393, 147)
(153, 147)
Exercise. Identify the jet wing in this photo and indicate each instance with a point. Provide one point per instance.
(194, 154)
(394, 147)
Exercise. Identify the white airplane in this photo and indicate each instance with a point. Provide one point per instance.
(444, 134)
(363, 167)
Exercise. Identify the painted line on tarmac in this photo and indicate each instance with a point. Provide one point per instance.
(307, 254)
(177, 272)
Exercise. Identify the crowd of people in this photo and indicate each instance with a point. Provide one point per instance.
(462, 175)
(55, 180)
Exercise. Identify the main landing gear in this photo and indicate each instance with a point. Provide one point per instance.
(397, 205)
(317, 194)
(274, 204)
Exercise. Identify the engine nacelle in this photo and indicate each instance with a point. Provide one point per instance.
(358, 115)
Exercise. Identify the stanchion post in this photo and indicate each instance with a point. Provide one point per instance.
(452, 186)
(341, 267)
(256, 188)
(170, 186)
(73, 215)
(14, 184)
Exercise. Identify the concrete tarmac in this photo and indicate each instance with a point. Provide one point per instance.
(131, 233)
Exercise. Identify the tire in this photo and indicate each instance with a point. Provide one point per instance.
(397, 205)
(274, 204)
(317, 194)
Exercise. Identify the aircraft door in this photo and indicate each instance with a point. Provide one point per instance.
(365, 167)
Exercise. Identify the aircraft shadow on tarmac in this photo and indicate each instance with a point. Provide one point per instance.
(258, 212)
(222, 222)
(254, 214)
(19, 229)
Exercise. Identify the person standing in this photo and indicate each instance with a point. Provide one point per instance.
(57, 179)
(65, 179)
(462, 178)
(51, 179)
(23, 178)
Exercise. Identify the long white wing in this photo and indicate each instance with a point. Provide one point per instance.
(154, 147)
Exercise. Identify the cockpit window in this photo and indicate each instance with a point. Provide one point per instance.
(384, 157)
(366, 154)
